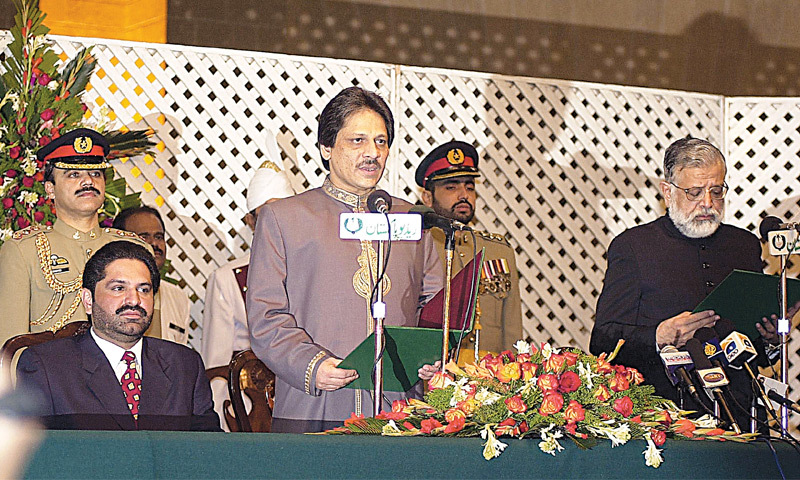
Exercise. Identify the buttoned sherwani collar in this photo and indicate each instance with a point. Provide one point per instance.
(75, 234)
(357, 202)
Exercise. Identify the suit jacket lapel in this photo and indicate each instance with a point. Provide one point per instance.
(103, 383)
(156, 383)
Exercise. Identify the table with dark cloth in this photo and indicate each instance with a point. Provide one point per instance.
(92, 454)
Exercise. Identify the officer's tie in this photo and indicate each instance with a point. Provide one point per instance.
(132, 385)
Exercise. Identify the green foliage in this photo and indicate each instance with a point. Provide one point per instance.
(493, 413)
(440, 398)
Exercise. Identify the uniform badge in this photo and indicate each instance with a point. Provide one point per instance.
(455, 156)
(495, 278)
(82, 145)
(58, 264)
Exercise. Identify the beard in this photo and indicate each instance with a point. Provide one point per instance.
(689, 225)
(452, 212)
(118, 328)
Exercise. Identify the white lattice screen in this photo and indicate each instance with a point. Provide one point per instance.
(566, 165)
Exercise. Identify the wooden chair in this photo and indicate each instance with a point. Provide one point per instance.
(223, 373)
(249, 376)
(25, 340)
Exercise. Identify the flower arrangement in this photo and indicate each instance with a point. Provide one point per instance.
(39, 101)
(552, 394)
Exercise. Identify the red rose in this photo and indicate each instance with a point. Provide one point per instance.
(523, 427)
(571, 358)
(47, 114)
(551, 403)
(572, 428)
(574, 412)
(23, 222)
(555, 363)
(547, 382)
(38, 216)
(492, 363)
(508, 422)
(509, 372)
(22, 130)
(619, 383)
(11, 173)
(43, 79)
(427, 425)
(455, 426)
(14, 152)
(39, 177)
(523, 357)
(528, 370)
(508, 355)
(658, 437)
(27, 181)
(44, 140)
(601, 393)
(569, 382)
(8, 202)
(624, 406)
(515, 404)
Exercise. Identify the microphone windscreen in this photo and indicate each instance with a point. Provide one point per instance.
(724, 327)
(696, 351)
(769, 224)
(704, 334)
(375, 199)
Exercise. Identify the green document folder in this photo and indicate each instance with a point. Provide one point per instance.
(409, 348)
(745, 297)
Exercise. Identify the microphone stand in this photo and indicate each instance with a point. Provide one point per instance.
(449, 246)
(378, 315)
(783, 333)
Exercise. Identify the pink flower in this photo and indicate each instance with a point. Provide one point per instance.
(569, 382)
(14, 152)
(8, 203)
(23, 222)
(47, 114)
(11, 173)
(27, 182)
(43, 79)
(624, 406)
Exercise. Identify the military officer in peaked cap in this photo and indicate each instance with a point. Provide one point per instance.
(41, 266)
(447, 175)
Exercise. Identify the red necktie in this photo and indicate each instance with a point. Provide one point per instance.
(131, 384)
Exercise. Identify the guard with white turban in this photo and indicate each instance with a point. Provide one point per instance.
(224, 319)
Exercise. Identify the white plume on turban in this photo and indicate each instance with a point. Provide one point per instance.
(270, 180)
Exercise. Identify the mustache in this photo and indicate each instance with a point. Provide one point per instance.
(132, 308)
(368, 162)
(87, 189)
(157, 250)
(463, 202)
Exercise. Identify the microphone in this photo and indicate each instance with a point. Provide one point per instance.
(677, 365)
(772, 394)
(771, 223)
(712, 378)
(379, 202)
(432, 219)
(739, 350)
(711, 346)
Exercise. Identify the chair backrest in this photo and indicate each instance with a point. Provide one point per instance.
(249, 376)
(222, 373)
(25, 340)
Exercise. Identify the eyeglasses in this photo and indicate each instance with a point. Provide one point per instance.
(717, 192)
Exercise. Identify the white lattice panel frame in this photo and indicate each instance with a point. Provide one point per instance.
(566, 165)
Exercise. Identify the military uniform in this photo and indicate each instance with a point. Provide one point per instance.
(40, 275)
(41, 267)
(498, 310)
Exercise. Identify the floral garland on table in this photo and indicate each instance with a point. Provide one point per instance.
(549, 393)
(39, 102)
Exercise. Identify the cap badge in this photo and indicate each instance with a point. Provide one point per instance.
(270, 165)
(455, 156)
(82, 145)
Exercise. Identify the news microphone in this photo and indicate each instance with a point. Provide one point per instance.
(432, 219)
(739, 350)
(711, 346)
(379, 202)
(677, 365)
(770, 223)
(773, 395)
(712, 378)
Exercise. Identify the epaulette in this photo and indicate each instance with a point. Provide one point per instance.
(30, 231)
(121, 233)
(494, 237)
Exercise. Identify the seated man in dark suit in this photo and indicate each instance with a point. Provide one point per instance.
(113, 378)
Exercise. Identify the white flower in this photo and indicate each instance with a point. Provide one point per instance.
(548, 350)
(618, 436)
(29, 166)
(5, 234)
(522, 347)
(485, 397)
(706, 421)
(461, 391)
(493, 447)
(52, 85)
(29, 198)
(390, 429)
(652, 456)
(549, 443)
(586, 374)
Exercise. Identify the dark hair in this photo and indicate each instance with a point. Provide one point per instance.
(689, 152)
(345, 103)
(122, 218)
(119, 250)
